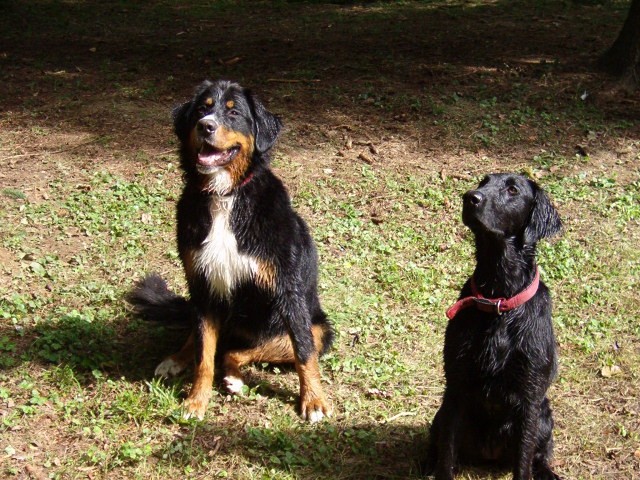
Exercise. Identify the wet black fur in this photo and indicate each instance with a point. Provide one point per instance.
(265, 226)
(498, 367)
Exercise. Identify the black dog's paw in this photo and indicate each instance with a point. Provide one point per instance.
(546, 474)
(427, 466)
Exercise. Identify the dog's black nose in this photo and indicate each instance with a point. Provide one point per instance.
(207, 126)
(474, 197)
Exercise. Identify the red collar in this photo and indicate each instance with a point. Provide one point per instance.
(494, 305)
(247, 179)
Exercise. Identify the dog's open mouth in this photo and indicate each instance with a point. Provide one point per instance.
(209, 156)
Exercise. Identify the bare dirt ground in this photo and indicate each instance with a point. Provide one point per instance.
(97, 81)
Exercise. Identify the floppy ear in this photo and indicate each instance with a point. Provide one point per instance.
(180, 116)
(544, 220)
(267, 125)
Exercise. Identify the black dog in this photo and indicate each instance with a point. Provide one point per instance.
(500, 350)
(250, 262)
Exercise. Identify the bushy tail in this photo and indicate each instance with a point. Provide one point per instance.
(151, 299)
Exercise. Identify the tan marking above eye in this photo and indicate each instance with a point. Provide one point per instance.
(209, 101)
(230, 104)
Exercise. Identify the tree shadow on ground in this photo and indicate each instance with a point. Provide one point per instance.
(93, 64)
(123, 348)
(118, 348)
(326, 450)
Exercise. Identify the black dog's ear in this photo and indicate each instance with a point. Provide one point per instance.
(544, 220)
(267, 125)
(180, 116)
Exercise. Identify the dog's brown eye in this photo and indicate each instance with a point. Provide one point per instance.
(233, 113)
(512, 190)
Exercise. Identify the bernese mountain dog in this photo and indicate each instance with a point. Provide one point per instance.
(249, 260)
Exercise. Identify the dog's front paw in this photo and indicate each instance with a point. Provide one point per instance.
(194, 407)
(546, 474)
(315, 409)
(233, 384)
(169, 367)
(427, 466)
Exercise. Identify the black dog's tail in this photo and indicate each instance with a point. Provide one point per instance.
(151, 299)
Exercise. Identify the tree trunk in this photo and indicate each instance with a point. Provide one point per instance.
(622, 59)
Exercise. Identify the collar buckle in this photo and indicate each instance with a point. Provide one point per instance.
(489, 305)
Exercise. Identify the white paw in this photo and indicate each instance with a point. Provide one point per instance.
(186, 415)
(193, 409)
(168, 368)
(233, 384)
(315, 416)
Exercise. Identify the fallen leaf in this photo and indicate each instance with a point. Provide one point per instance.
(229, 61)
(610, 371)
(35, 472)
(365, 158)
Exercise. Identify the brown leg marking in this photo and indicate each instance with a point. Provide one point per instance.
(178, 362)
(313, 404)
(197, 400)
(275, 350)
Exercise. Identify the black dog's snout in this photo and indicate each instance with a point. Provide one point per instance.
(474, 197)
(207, 126)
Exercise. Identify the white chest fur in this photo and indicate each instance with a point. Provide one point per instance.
(218, 257)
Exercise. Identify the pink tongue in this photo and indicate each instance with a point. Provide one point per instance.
(212, 157)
